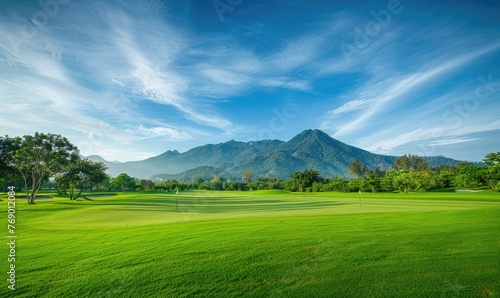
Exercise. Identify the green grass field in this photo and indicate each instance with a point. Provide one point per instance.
(257, 244)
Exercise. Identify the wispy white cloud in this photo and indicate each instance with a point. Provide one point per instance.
(170, 133)
(387, 145)
(451, 141)
(353, 105)
(396, 88)
(302, 85)
(439, 122)
(225, 77)
(74, 84)
(296, 53)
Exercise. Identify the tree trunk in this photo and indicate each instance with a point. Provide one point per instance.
(34, 193)
(27, 191)
(71, 191)
(79, 193)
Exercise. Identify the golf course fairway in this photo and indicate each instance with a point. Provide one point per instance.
(255, 244)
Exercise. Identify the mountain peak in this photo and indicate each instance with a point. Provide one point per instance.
(311, 134)
(169, 153)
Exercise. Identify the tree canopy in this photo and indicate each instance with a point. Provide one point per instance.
(492, 159)
(81, 174)
(123, 181)
(39, 157)
(358, 169)
(411, 162)
(305, 179)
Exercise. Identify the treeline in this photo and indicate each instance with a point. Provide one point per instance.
(409, 173)
(30, 162)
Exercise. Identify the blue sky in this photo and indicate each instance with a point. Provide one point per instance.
(131, 79)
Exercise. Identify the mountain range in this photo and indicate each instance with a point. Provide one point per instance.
(311, 149)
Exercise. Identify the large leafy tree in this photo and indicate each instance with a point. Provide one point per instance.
(7, 173)
(39, 157)
(407, 181)
(411, 162)
(492, 159)
(144, 185)
(123, 181)
(403, 181)
(217, 183)
(305, 179)
(358, 169)
(491, 177)
(81, 174)
(469, 177)
(490, 174)
(247, 176)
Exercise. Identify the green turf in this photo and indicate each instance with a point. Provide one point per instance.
(258, 244)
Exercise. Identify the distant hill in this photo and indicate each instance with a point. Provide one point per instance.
(311, 149)
(206, 173)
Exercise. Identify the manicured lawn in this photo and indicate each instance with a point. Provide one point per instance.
(258, 244)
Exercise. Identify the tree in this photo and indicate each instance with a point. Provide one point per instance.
(217, 183)
(358, 169)
(411, 162)
(204, 185)
(8, 174)
(145, 185)
(40, 157)
(468, 177)
(358, 184)
(403, 181)
(247, 176)
(407, 181)
(104, 184)
(445, 178)
(490, 174)
(302, 180)
(459, 166)
(421, 181)
(338, 184)
(81, 174)
(492, 159)
(123, 181)
(387, 182)
(374, 181)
